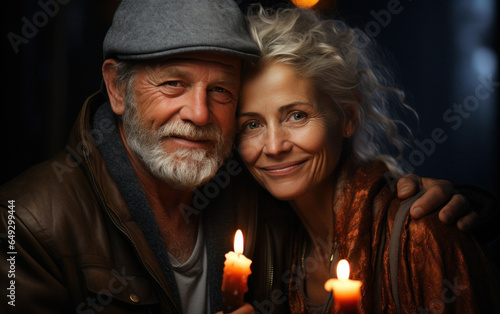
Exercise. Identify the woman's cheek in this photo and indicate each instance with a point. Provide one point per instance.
(312, 138)
(248, 150)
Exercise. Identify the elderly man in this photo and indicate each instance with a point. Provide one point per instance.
(126, 219)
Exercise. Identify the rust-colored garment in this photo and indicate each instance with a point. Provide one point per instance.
(441, 269)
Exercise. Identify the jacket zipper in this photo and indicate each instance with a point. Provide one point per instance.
(111, 215)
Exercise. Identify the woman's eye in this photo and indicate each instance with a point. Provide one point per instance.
(253, 125)
(298, 116)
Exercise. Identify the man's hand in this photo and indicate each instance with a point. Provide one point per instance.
(439, 193)
(244, 309)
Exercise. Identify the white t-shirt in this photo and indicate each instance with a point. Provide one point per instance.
(191, 278)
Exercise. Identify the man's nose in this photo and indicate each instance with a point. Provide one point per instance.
(276, 141)
(196, 108)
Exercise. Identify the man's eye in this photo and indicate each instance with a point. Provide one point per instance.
(220, 95)
(172, 83)
(219, 90)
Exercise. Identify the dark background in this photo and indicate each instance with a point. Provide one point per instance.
(440, 52)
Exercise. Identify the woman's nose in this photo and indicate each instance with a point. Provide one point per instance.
(276, 141)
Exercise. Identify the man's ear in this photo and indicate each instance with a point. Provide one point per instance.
(116, 93)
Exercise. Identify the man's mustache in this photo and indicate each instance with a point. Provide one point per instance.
(190, 131)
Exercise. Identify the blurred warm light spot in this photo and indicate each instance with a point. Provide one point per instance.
(306, 4)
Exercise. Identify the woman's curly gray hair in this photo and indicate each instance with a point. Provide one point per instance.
(339, 61)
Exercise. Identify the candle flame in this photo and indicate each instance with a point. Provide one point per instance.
(238, 242)
(343, 270)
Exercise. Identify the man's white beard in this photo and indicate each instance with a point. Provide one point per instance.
(184, 169)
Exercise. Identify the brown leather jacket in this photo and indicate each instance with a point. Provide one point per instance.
(74, 246)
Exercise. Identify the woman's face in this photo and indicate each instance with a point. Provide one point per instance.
(288, 142)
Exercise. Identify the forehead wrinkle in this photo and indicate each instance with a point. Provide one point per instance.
(294, 104)
(176, 67)
(230, 80)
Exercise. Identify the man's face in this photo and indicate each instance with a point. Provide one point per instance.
(179, 116)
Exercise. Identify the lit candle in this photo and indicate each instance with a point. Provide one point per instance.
(346, 292)
(234, 280)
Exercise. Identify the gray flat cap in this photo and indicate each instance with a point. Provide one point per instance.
(145, 29)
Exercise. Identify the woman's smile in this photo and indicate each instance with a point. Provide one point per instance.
(283, 169)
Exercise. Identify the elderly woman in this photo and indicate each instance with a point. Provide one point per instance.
(313, 123)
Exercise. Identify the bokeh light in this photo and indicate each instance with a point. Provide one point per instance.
(306, 4)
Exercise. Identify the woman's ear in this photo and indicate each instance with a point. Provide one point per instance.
(351, 117)
(115, 93)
